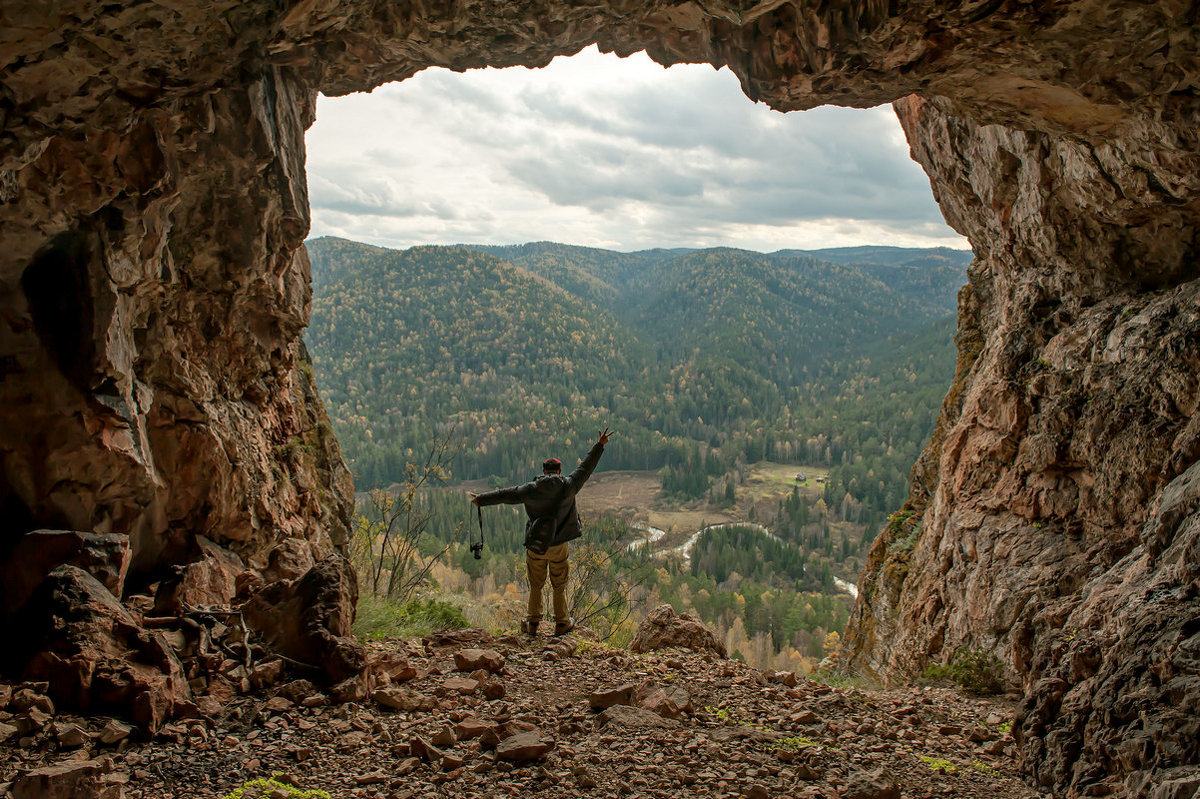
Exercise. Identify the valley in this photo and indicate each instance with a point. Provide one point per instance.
(726, 373)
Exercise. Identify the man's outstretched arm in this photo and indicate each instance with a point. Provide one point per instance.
(502, 496)
(584, 470)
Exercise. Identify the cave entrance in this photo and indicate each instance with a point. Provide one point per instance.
(598, 160)
(622, 154)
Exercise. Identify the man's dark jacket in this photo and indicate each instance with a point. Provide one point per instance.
(550, 498)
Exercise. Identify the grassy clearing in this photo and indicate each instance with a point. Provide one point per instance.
(772, 480)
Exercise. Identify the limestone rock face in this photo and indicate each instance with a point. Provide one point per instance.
(153, 288)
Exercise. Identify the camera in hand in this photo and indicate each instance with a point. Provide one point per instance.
(477, 549)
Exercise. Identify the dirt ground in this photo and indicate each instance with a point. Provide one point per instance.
(740, 733)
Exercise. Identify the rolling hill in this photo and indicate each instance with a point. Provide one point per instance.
(697, 357)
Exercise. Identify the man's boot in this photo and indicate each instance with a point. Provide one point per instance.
(564, 627)
(530, 628)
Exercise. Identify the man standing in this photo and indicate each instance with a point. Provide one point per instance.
(553, 521)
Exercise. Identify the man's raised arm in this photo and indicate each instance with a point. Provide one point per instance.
(584, 470)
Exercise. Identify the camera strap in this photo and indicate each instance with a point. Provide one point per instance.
(479, 513)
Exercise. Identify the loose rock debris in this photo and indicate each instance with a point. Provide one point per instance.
(594, 721)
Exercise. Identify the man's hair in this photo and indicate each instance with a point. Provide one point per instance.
(552, 465)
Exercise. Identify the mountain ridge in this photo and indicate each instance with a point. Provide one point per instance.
(713, 356)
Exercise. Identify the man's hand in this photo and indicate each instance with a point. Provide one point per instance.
(605, 435)
(474, 499)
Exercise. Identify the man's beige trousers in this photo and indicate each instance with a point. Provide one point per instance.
(554, 562)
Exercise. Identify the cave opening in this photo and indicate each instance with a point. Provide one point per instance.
(598, 154)
(1061, 140)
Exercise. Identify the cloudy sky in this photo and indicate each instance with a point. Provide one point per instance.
(615, 153)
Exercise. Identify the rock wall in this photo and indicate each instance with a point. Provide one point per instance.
(153, 289)
(1040, 526)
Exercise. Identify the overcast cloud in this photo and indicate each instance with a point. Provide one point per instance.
(616, 153)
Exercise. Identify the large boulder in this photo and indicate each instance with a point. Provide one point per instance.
(74, 634)
(210, 579)
(663, 629)
(105, 556)
(309, 619)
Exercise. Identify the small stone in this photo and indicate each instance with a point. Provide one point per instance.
(26, 699)
(452, 761)
(472, 659)
(209, 707)
(70, 736)
(374, 778)
(114, 731)
(663, 629)
(621, 695)
(267, 673)
(491, 737)
(525, 747)
(658, 701)
(632, 718)
(425, 749)
(585, 779)
(398, 699)
(443, 737)
(787, 678)
(278, 704)
(471, 728)
(352, 689)
(32, 721)
(870, 785)
(494, 689)
(394, 666)
(71, 779)
(461, 685)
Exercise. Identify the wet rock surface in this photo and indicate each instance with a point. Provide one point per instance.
(746, 737)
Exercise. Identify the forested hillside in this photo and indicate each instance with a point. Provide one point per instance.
(701, 359)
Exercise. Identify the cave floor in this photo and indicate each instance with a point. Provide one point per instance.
(748, 735)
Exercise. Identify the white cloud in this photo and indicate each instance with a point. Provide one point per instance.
(607, 152)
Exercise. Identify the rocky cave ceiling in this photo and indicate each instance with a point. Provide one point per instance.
(153, 288)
